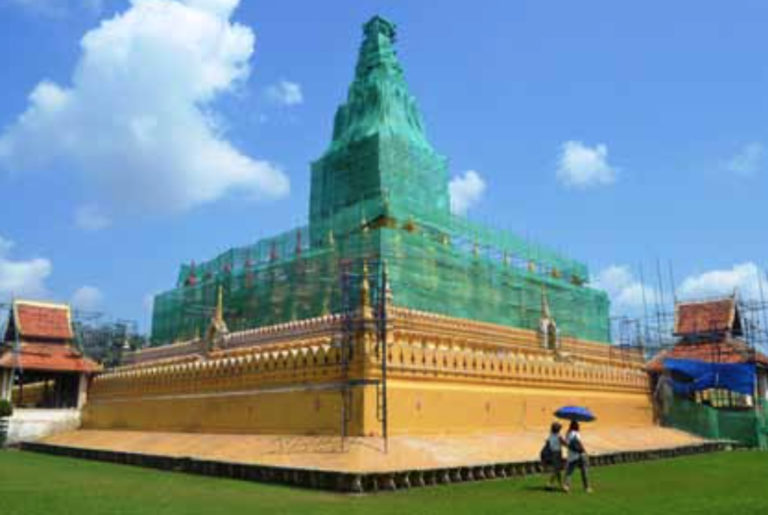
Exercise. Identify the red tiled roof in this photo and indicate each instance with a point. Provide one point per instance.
(710, 352)
(703, 317)
(55, 357)
(40, 320)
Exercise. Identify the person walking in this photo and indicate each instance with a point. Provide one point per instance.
(555, 443)
(577, 457)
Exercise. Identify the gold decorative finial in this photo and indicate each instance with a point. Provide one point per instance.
(545, 313)
(365, 293)
(410, 225)
(325, 307)
(388, 296)
(547, 324)
(219, 314)
(218, 326)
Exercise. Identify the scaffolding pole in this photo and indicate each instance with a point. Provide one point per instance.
(383, 321)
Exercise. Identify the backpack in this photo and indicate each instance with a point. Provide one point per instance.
(546, 454)
(575, 445)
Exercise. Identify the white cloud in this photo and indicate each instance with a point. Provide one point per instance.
(581, 166)
(90, 218)
(87, 298)
(465, 191)
(137, 121)
(748, 160)
(285, 93)
(22, 278)
(742, 277)
(625, 290)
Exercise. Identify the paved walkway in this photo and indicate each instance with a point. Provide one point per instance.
(362, 455)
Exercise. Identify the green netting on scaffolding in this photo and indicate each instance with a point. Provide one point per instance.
(380, 194)
(748, 426)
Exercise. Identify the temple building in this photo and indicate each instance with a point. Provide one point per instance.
(386, 316)
(39, 364)
(714, 381)
(711, 334)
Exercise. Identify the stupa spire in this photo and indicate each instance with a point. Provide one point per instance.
(379, 162)
(378, 101)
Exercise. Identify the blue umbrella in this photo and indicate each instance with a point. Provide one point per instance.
(578, 413)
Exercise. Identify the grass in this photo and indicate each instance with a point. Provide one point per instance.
(734, 483)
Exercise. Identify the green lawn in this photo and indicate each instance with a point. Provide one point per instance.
(734, 483)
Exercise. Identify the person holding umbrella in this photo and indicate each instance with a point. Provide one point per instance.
(577, 455)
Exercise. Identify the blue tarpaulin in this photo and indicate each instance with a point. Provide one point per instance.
(737, 377)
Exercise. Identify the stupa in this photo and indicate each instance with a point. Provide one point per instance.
(462, 305)
(387, 316)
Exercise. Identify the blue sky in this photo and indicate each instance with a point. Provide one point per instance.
(619, 134)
